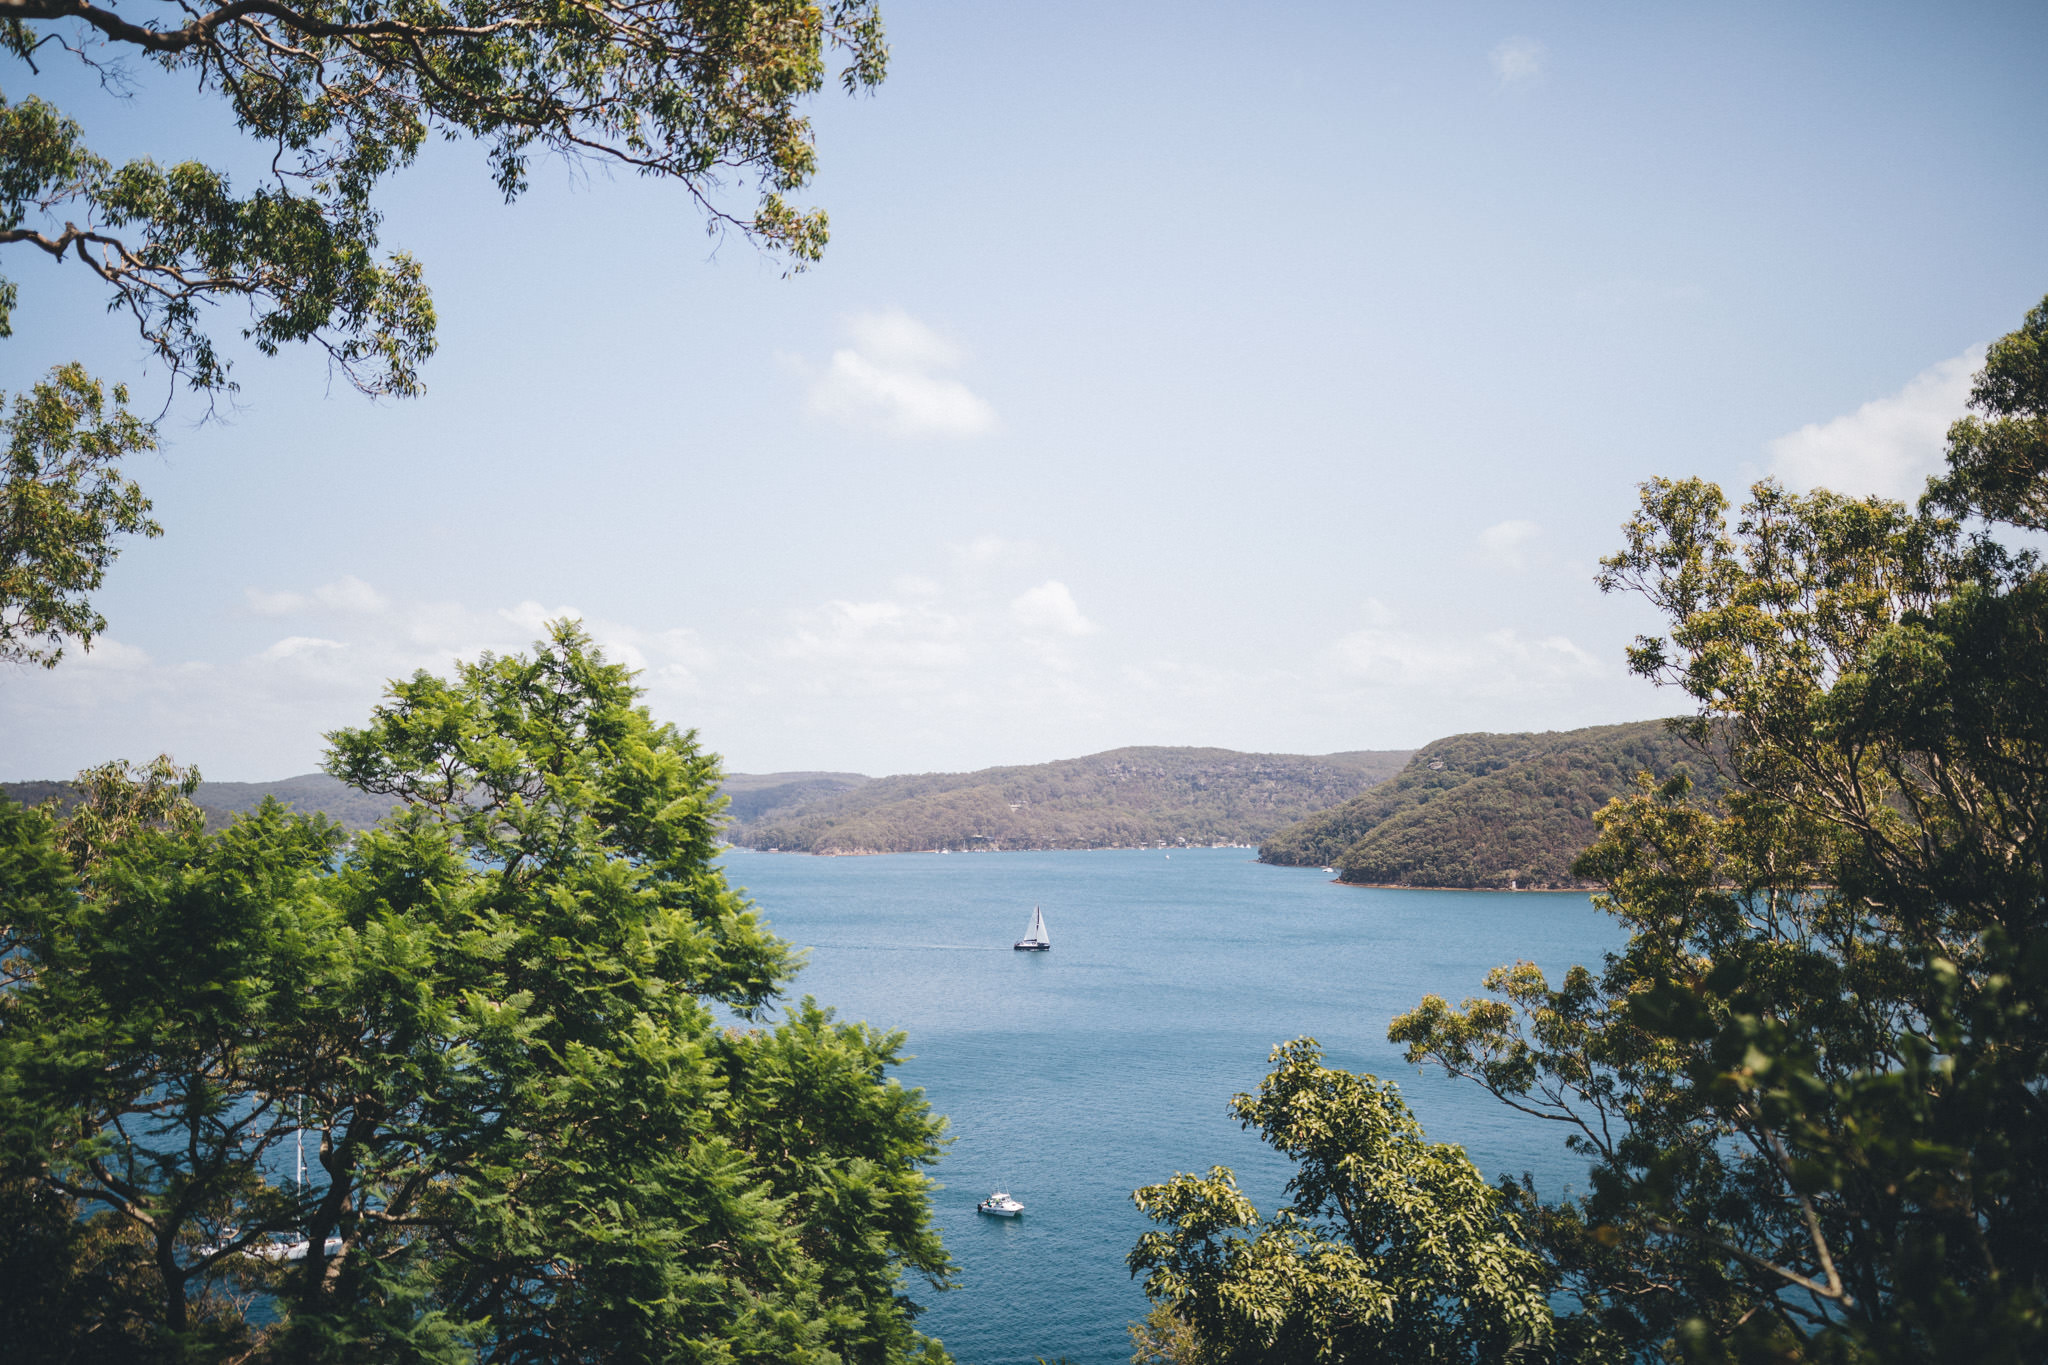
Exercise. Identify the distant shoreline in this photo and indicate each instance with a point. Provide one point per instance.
(1484, 890)
(1189, 848)
(919, 852)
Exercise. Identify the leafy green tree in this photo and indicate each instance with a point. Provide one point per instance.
(1813, 1081)
(1811, 1087)
(1998, 456)
(494, 1025)
(63, 503)
(1390, 1247)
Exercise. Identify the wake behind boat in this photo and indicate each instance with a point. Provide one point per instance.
(1001, 1205)
(1036, 940)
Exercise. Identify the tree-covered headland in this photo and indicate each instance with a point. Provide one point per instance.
(520, 1032)
(1488, 810)
(1811, 1087)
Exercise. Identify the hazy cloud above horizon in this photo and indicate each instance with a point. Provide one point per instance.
(1517, 61)
(1050, 607)
(1889, 445)
(962, 649)
(1506, 544)
(894, 379)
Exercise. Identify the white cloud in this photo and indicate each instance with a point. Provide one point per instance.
(869, 647)
(345, 594)
(293, 645)
(350, 594)
(1517, 60)
(262, 715)
(1506, 543)
(976, 660)
(892, 379)
(986, 550)
(532, 617)
(1491, 664)
(1889, 445)
(106, 655)
(1051, 608)
(265, 603)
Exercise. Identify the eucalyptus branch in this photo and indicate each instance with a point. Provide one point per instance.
(1832, 1291)
(202, 27)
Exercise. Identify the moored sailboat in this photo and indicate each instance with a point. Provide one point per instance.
(1036, 940)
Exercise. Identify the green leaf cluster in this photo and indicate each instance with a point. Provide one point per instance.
(63, 502)
(494, 1024)
(1487, 810)
(1389, 1247)
(339, 94)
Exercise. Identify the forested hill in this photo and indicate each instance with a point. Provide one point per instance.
(750, 795)
(1124, 798)
(222, 801)
(1482, 810)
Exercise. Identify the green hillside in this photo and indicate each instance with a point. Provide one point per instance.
(312, 792)
(1482, 810)
(222, 801)
(1126, 798)
(756, 796)
(751, 795)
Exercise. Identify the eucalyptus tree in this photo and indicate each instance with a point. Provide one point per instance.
(339, 94)
(63, 502)
(335, 96)
(1811, 1087)
(518, 1035)
(1812, 1083)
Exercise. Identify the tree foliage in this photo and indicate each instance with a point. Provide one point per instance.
(1812, 1083)
(339, 94)
(1389, 1248)
(63, 503)
(493, 1024)
(1811, 1087)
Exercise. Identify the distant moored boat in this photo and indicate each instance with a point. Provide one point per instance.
(1036, 940)
(1001, 1205)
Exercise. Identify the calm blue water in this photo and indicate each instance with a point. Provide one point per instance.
(1074, 1076)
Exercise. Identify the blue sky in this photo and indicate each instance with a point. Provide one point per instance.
(1193, 374)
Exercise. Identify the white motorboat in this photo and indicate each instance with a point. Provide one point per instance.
(1001, 1205)
(1036, 940)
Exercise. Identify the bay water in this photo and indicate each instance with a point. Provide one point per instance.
(1073, 1076)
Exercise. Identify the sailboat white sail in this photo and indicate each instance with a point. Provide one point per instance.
(1036, 939)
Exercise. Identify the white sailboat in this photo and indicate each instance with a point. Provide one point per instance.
(1036, 940)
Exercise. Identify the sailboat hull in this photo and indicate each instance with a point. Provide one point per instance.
(1027, 946)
